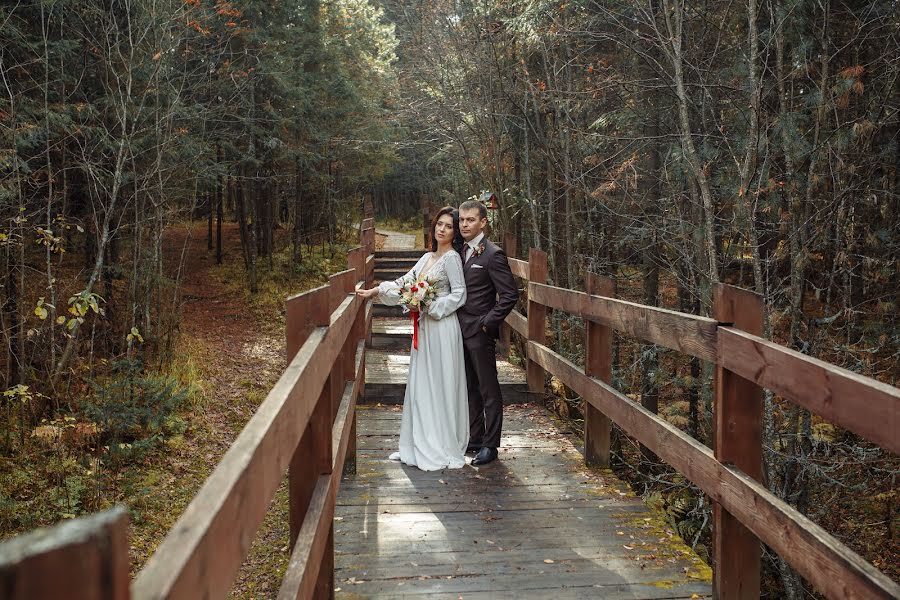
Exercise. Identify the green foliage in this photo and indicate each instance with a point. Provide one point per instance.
(134, 410)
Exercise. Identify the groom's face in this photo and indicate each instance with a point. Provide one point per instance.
(471, 223)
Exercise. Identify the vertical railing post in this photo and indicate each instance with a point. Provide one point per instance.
(738, 415)
(368, 261)
(312, 457)
(598, 343)
(348, 359)
(82, 559)
(509, 247)
(537, 319)
(356, 335)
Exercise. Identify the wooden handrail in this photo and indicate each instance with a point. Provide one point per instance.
(858, 403)
(306, 558)
(307, 421)
(832, 567)
(686, 333)
(80, 559)
(832, 392)
(518, 322)
(220, 522)
(518, 267)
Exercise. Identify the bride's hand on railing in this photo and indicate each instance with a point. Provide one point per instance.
(370, 293)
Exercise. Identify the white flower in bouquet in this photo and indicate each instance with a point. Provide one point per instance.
(416, 295)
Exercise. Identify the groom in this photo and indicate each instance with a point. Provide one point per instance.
(491, 294)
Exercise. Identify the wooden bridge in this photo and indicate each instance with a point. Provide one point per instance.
(539, 523)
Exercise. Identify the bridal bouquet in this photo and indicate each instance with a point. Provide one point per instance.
(416, 295)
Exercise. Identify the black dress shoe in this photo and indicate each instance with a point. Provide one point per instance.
(484, 456)
(472, 449)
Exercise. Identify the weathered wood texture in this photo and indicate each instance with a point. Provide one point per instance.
(518, 323)
(293, 427)
(744, 360)
(305, 576)
(598, 344)
(81, 559)
(534, 524)
(738, 413)
(829, 565)
(864, 406)
(537, 319)
(686, 333)
(518, 267)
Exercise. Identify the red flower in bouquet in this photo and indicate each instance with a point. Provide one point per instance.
(416, 296)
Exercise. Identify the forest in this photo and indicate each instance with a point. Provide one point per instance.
(667, 145)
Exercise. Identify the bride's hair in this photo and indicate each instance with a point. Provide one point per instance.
(458, 241)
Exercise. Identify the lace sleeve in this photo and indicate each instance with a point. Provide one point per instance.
(389, 291)
(447, 305)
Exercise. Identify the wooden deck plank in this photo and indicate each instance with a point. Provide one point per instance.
(571, 593)
(393, 367)
(489, 532)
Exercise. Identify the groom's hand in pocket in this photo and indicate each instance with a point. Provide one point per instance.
(489, 329)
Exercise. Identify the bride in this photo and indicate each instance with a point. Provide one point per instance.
(434, 428)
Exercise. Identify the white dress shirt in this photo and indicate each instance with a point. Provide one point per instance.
(472, 244)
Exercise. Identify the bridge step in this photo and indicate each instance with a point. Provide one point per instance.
(387, 372)
(380, 310)
(415, 254)
(389, 274)
(395, 263)
(391, 333)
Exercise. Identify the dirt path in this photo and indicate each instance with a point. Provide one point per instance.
(394, 240)
(237, 360)
(214, 314)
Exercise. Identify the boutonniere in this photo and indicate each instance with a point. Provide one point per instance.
(479, 250)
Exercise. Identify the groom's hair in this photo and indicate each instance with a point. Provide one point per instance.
(475, 204)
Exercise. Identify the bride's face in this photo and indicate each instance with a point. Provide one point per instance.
(443, 229)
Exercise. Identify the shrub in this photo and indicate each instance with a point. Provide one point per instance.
(134, 410)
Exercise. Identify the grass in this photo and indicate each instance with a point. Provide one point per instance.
(411, 226)
(281, 281)
(226, 380)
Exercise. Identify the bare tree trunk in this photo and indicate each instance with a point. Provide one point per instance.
(220, 193)
(672, 43)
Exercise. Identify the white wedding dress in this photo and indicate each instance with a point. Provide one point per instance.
(434, 428)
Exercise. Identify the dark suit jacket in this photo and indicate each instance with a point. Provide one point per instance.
(491, 292)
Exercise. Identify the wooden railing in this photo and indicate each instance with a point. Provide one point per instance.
(305, 425)
(745, 511)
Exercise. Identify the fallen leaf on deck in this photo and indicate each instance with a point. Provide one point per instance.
(549, 561)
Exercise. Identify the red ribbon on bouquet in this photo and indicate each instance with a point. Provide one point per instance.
(414, 315)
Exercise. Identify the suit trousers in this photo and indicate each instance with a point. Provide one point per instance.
(485, 402)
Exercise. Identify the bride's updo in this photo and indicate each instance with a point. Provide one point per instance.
(458, 241)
